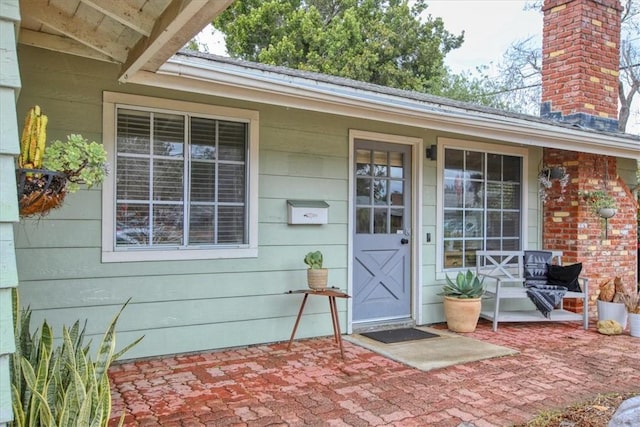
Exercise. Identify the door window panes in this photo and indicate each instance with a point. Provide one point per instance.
(380, 189)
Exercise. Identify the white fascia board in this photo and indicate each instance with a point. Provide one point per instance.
(237, 82)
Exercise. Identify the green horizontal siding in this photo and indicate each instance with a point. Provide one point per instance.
(95, 292)
(184, 306)
(43, 264)
(10, 84)
(193, 305)
(183, 313)
(221, 335)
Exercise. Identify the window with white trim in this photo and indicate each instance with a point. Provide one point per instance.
(180, 182)
(482, 204)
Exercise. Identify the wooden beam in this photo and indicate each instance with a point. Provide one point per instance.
(75, 29)
(60, 44)
(125, 14)
(178, 24)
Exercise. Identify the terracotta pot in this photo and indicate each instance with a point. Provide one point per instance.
(462, 314)
(317, 278)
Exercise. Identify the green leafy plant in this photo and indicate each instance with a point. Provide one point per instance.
(313, 260)
(598, 199)
(465, 286)
(61, 386)
(80, 160)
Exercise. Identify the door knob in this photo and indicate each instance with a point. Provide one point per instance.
(404, 241)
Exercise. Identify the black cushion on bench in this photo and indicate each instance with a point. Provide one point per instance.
(565, 275)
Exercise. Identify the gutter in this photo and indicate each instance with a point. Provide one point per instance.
(265, 84)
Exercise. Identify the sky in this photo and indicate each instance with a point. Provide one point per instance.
(490, 27)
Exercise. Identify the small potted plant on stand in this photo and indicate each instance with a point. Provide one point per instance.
(316, 275)
(463, 301)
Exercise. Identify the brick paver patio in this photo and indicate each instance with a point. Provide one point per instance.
(264, 385)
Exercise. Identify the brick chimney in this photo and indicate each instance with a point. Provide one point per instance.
(580, 66)
(580, 62)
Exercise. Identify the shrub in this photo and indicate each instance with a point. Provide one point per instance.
(61, 386)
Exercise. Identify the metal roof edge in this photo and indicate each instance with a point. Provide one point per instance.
(318, 92)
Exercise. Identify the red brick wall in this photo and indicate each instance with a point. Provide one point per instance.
(581, 56)
(580, 66)
(570, 225)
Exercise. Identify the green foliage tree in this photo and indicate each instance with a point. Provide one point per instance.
(392, 43)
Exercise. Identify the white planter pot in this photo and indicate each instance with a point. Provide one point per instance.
(612, 311)
(606, 212)
(634, 324)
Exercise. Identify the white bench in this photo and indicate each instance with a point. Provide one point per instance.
(503, 273)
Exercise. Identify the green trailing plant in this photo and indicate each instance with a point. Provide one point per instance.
(62, 385)
(598, 199)
(467, 285)
(313, 260)
(78, 159)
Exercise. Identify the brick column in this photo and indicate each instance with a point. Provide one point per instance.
(570, 225)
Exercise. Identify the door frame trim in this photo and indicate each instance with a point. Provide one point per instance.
(415, 269)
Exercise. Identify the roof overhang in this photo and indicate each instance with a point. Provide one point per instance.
(221, 78)
(138, 35)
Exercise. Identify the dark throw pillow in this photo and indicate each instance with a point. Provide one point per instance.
(565, 275)
(535, 267)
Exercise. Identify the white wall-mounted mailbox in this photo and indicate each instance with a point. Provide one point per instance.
(308, 211)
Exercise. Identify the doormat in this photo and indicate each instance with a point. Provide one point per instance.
(399, 335)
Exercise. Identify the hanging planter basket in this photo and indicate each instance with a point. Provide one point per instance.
(606, 212)
(39, 191)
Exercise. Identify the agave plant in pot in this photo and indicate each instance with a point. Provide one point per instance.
(463, 301)
(316, 274)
